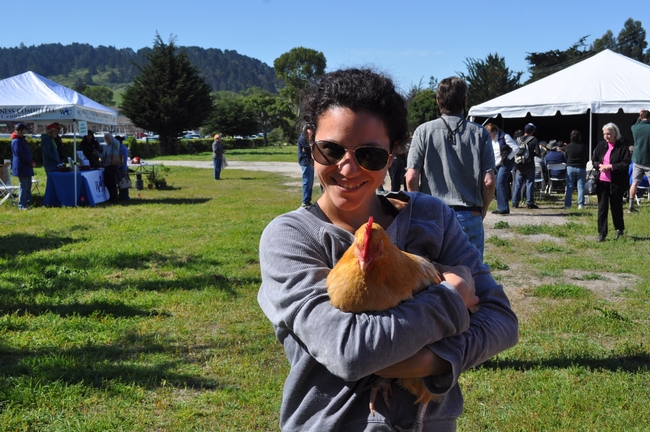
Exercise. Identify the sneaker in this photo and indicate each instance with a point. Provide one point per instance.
(499, 212)
(515, 205)
(619, 234)
(532, 206)
(580, 206)
(601, 238)
(632, 210)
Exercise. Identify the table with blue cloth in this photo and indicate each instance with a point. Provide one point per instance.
(60, 189)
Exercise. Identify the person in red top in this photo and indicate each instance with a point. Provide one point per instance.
(612, 158)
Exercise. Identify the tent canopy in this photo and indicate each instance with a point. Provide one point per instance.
(29, 97)
(604, 83)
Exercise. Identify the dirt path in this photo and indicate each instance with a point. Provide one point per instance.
(517, 217)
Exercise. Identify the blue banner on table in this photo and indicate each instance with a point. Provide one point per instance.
(60, 189)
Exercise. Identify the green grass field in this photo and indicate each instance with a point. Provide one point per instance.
(262, 154)
(144, 317)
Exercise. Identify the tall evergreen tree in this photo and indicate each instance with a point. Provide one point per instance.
(169, 96)
(489, 78)
(631, 41)
(546, 63)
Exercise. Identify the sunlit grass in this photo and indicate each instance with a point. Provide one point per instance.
(144, 316)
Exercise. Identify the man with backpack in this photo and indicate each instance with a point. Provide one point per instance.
(525, 164)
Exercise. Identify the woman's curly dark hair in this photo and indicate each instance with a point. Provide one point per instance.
(357, 90)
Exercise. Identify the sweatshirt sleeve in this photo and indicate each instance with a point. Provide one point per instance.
(493, 329)
(295, 259)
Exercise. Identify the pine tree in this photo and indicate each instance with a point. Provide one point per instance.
(168, 96)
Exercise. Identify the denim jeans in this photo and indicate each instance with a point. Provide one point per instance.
(573, 175)
(472, 223)
(527, 175)
(307, 183)
(217, 168)
(24, 192)
(503, 189)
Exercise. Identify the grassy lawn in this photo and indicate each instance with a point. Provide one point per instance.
(144, 317)
(262, 154)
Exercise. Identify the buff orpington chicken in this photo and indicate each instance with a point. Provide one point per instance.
(365, 280)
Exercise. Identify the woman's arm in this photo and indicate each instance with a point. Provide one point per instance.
(493, 328)
(295, 259)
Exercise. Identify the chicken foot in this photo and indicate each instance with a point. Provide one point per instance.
(418, 424)
(383, 385)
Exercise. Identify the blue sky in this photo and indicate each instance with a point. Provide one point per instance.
(409, 39)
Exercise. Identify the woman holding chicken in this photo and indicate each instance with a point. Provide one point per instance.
(359, 122)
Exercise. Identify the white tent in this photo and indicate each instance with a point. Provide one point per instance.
(602, 84)
(29, 97)
(610, 85)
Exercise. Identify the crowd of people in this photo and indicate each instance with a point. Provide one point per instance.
(467, 166)
(112, 158)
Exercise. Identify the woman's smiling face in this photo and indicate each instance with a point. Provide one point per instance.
(348, 188)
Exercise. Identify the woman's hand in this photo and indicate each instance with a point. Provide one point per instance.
(421, 364)
(605, 168)
(462, 280)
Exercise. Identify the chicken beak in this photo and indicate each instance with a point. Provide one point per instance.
(363, 265)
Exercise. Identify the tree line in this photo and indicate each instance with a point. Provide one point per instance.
(257, 110)
(222, 70)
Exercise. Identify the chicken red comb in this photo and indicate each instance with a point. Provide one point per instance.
(366, 236)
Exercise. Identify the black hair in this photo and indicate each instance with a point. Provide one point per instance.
(576, 136)
(358, 90)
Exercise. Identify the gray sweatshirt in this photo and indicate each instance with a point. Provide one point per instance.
(333, 354)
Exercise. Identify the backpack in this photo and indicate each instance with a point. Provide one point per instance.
(523, 155)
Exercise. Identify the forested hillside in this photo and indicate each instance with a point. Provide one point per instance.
(223, 70)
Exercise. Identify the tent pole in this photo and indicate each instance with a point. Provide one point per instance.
(590, 131)
(74, 140)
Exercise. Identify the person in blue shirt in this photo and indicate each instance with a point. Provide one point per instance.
(123, 170)
(22, 165)
(306, 165)
(555, 155)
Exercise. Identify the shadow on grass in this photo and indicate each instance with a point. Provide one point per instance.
(72, 284)
(637, 238)
(533, 214)
(24, 244)
(174, 201)
(628, 364)
(94, 309)
(144, 363)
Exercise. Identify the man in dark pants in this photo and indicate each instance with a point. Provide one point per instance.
(640, 155)
(306, 165)
(526, 168)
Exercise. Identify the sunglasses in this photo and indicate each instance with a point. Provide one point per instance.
(370, 158)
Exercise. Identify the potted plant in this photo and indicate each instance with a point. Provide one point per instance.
(156, 177)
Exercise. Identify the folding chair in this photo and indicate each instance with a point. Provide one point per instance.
(640, 191)
(539, 178)
(35, 188)
(8, 192)
(558, 177)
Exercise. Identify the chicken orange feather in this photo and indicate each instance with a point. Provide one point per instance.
(375, 275)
